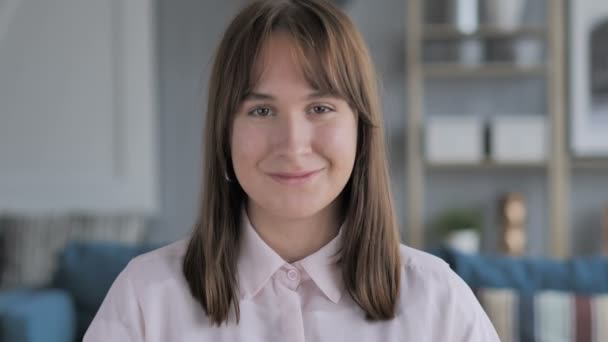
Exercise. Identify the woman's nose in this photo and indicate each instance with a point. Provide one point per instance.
(293, 134)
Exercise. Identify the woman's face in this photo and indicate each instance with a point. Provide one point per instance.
(293, 149)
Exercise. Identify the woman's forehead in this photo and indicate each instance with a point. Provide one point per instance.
(283, 59)
(278, 56)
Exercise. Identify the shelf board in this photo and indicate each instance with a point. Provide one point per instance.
(435, 70)
(601, 165)
(488, 165)
(589, 164)
(441, 32)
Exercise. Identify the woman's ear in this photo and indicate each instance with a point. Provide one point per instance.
(229, 173)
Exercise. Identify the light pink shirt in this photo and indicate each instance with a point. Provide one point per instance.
(304, 301)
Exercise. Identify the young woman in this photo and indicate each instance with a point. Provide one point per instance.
(296, 239)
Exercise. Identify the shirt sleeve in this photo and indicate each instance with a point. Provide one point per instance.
(471, 321)
(119, 317)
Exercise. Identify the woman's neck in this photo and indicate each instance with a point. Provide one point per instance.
(295, 239)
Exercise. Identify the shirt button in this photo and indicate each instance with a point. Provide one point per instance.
(293, 275)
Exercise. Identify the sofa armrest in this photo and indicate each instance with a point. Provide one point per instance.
(36, 316)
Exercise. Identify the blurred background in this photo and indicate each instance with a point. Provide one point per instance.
(496, 114)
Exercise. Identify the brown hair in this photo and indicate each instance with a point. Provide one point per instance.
(334, 59)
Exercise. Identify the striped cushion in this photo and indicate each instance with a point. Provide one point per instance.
(553, 316)
(33, 243)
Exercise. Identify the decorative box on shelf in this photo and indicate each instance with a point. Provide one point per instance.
(518, 139)
(454, 139)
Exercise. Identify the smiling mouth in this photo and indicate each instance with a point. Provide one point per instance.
(294, 177)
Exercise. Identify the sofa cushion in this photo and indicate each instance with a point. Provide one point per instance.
(36, 316)
(8, 298)
(88, 269)
(546, 315)
(585, 275)
(2, 254)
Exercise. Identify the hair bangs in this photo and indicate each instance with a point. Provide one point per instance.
(326, 53)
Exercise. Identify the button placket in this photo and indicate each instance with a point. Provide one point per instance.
(292, 278)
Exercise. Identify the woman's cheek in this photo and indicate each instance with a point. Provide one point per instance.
(246, 146)
(339, 142)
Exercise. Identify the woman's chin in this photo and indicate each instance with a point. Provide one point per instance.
(294, 212)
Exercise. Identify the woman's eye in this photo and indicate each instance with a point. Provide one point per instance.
(260, 111)
(321, 109)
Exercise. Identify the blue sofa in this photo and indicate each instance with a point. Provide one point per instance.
(581, 275)
(62, 311)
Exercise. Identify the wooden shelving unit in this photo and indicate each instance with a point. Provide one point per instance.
(445, 70)
(485, 166)
(557, 166)
(441, 32)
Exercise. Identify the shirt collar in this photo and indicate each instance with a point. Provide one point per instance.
(258, 262)
(322, 267)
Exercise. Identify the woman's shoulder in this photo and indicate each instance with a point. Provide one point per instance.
(435, 297)
(150, 277)
(158, 264)
(171, 250)
(422, 271)
(415, 259)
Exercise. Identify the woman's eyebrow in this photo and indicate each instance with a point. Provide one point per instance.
(252, 95)
(319, 94)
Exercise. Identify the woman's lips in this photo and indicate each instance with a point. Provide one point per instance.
(294, 177)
